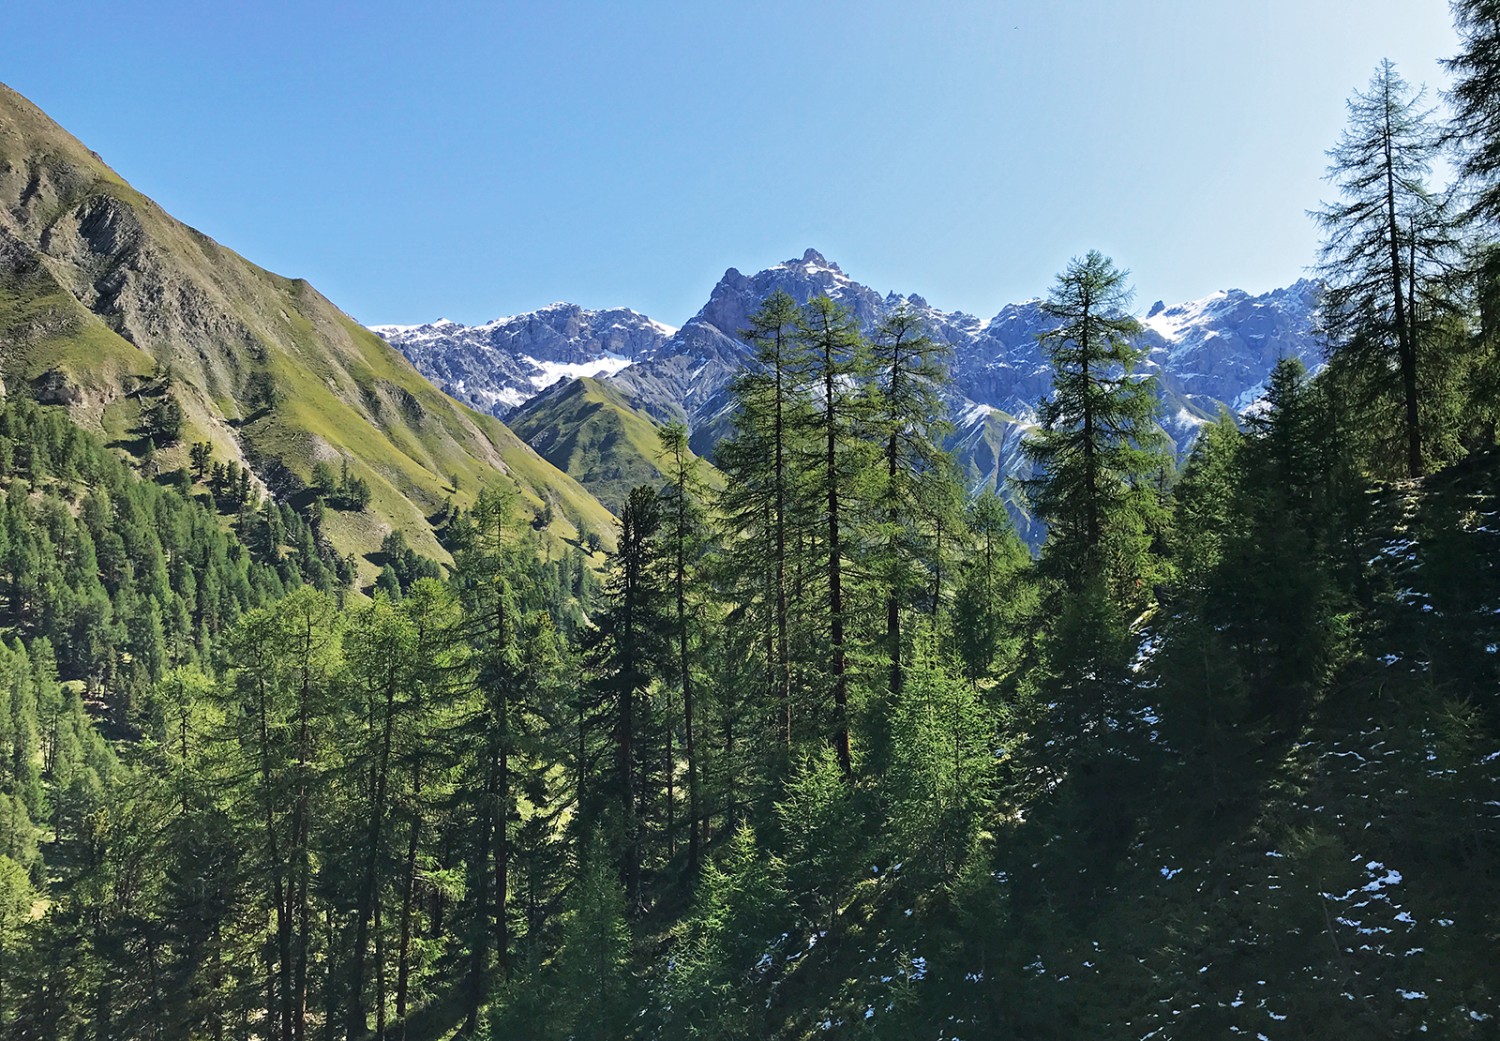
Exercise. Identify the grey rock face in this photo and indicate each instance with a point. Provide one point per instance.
(1219, 349)
(496, 366)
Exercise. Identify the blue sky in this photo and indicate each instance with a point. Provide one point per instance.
(416, 160)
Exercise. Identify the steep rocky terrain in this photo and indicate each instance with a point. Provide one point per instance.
(108, 305)
(1209, 353)
(496, 366)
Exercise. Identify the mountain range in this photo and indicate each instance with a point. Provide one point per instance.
(108, 305)
(1209, 353)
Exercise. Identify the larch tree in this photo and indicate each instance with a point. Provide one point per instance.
(280, 708)
(1099, 447)
(909, 371)
(382, 650)
(992, 597)
(683, 533)
(838, 362)
(759, 501)
(628, 652)
(1474, 127)
(490, 568)
(1387, 245)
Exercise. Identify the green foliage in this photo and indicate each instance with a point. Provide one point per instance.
(16, 899)
(402, 566)
(820, 821)
(597, 996)
(349, 491)
(590, 431)
(162, 421)
(996, 595)
(261, 391)
(825, 753)
(1475, 120)
(942, 772)
(734, 939)
(1099, 449)
(1388, 251)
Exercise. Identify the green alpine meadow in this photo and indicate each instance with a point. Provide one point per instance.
(828, 666)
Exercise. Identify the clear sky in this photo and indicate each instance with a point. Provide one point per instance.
(422, 159)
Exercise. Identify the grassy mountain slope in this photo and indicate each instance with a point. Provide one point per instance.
(590, 430)
(102, 293)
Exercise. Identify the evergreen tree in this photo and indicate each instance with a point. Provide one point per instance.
(943, 769)
(594, 960)
(1099, 449)
(1388, 245)
(1474, 128)
(683, 535)
(1280, 592)
(909, 371)
(759, 503)
(490, 574)
(280, 706)
(838, 362)
(201, 455)
(382, 647)
(163, 421)
(629, 650)
(16, 899)
(995, 595)
(718, 983)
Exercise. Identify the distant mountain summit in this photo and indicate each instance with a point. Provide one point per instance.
(1209, 353)
(498, 365)
(1225, 344)
(1217, 349)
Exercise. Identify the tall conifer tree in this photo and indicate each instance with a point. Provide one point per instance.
(909, 371)
(1099, 448)
(1474, 128)
(759, 501)
(1387, 243)
(838, 362)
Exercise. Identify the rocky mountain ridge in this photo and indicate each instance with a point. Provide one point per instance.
(1208, 353)
(498, 365)
(1216, 349)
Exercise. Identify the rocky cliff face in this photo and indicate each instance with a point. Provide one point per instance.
(496, 366)
(1218, 349)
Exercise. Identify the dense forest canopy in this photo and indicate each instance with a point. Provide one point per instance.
(825, 750)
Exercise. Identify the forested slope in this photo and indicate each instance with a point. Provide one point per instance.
(827, 753)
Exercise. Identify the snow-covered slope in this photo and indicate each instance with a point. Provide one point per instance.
(1224, 345)
(498, 365)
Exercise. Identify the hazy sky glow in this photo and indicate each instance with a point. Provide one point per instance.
(475, 159)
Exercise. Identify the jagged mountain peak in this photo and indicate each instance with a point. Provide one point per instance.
(503, 362)
(811, 262)
(1217, 349)
(736, 296)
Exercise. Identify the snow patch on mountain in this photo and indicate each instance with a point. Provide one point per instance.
(504, 362)
(1213, 352)
(549, 372)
